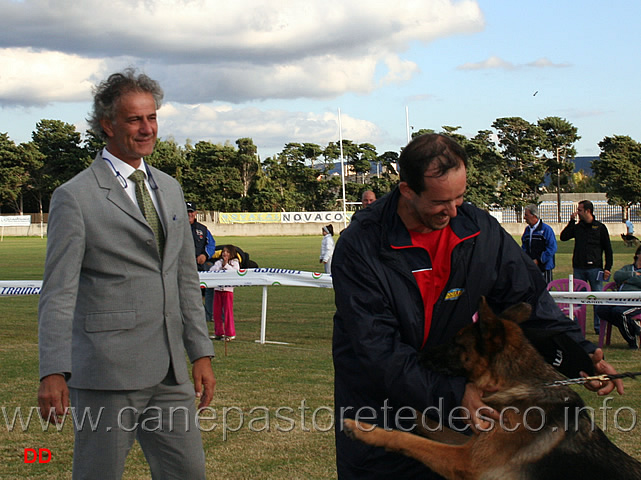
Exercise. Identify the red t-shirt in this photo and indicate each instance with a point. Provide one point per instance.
(431, 281)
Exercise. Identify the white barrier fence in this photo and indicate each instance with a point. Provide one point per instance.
(265, 277)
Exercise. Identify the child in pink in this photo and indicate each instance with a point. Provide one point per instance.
(224, 296)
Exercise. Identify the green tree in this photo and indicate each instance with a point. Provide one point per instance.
(422, 131)
(351, 154)
(13, 176)
(210, 179)
(331, 156)
(484, 170)
(520, 143)
(63, 154)
(39, 181)
(485, 166)
(93, 143)
(169, 157)
(584, 183)
(618, 169)
(311, 151)
(279, 191)
(247, 163)
(561, 136)
(290, 184)
(366, 156)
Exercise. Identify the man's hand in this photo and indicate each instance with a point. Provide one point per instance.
(204, 381)
(603, 367)
(473, 404)
(53, 398)
(200, 259)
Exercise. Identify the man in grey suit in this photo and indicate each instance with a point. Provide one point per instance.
(121, 303)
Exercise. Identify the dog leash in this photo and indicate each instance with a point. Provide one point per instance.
(582, 380)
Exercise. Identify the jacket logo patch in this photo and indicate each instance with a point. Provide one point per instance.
(454, 294)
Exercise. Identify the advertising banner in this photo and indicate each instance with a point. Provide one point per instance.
(230, 278)
(15, 220)
(283, 217)
(249, 217)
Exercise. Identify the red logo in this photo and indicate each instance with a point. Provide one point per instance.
(42, 455)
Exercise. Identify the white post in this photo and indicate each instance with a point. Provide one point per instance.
(407, 124)
(340, 143)
(571, 289)
(263, 317)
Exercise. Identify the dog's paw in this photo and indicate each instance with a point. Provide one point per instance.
(348, 427)
(356, 430)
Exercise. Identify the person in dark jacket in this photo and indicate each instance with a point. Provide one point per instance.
(205, 246)
(539, 242)
(624, 317)
(408, 274)
(201, 239)
(591, 244)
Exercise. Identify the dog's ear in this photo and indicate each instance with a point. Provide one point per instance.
(491, 328)
(518, 313)
(485, 311)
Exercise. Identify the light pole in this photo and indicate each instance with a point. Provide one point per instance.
(558, 184)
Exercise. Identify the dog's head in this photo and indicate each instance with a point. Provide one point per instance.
(475, 349)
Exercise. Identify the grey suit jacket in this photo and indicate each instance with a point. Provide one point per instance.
(112, 316)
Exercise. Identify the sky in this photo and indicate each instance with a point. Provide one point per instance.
(280, 71)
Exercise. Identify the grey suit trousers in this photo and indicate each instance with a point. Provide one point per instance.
(161, 418)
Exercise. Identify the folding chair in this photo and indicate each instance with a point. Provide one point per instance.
(580, 311)
(607, 331)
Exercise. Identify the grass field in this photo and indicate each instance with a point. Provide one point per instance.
(275, 400)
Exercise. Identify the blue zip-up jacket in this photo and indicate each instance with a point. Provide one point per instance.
(541, 245)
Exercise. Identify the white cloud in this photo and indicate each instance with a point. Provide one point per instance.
(490, 63)
(398, 70)
(546, 63)
(497, 63)
(235, 51)
(31, 77)
(216, 60)
(270, 129)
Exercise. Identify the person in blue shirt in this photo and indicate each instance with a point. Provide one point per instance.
(539, 242)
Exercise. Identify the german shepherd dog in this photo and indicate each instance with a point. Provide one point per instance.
(630, 240)
(544, 432)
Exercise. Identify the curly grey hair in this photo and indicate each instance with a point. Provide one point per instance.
(108, 92)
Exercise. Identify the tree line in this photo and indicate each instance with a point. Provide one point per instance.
(508, 168)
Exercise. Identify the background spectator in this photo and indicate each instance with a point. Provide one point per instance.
(368, 198)
(327, 247)
(539, 242)
(224, 297)
(628, 279)
(592, 242)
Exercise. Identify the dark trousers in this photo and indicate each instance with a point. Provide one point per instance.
(620, 316)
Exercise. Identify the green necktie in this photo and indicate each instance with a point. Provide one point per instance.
(147, 208)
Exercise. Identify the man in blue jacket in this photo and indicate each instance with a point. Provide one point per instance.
(409, 274)
(539, 242)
